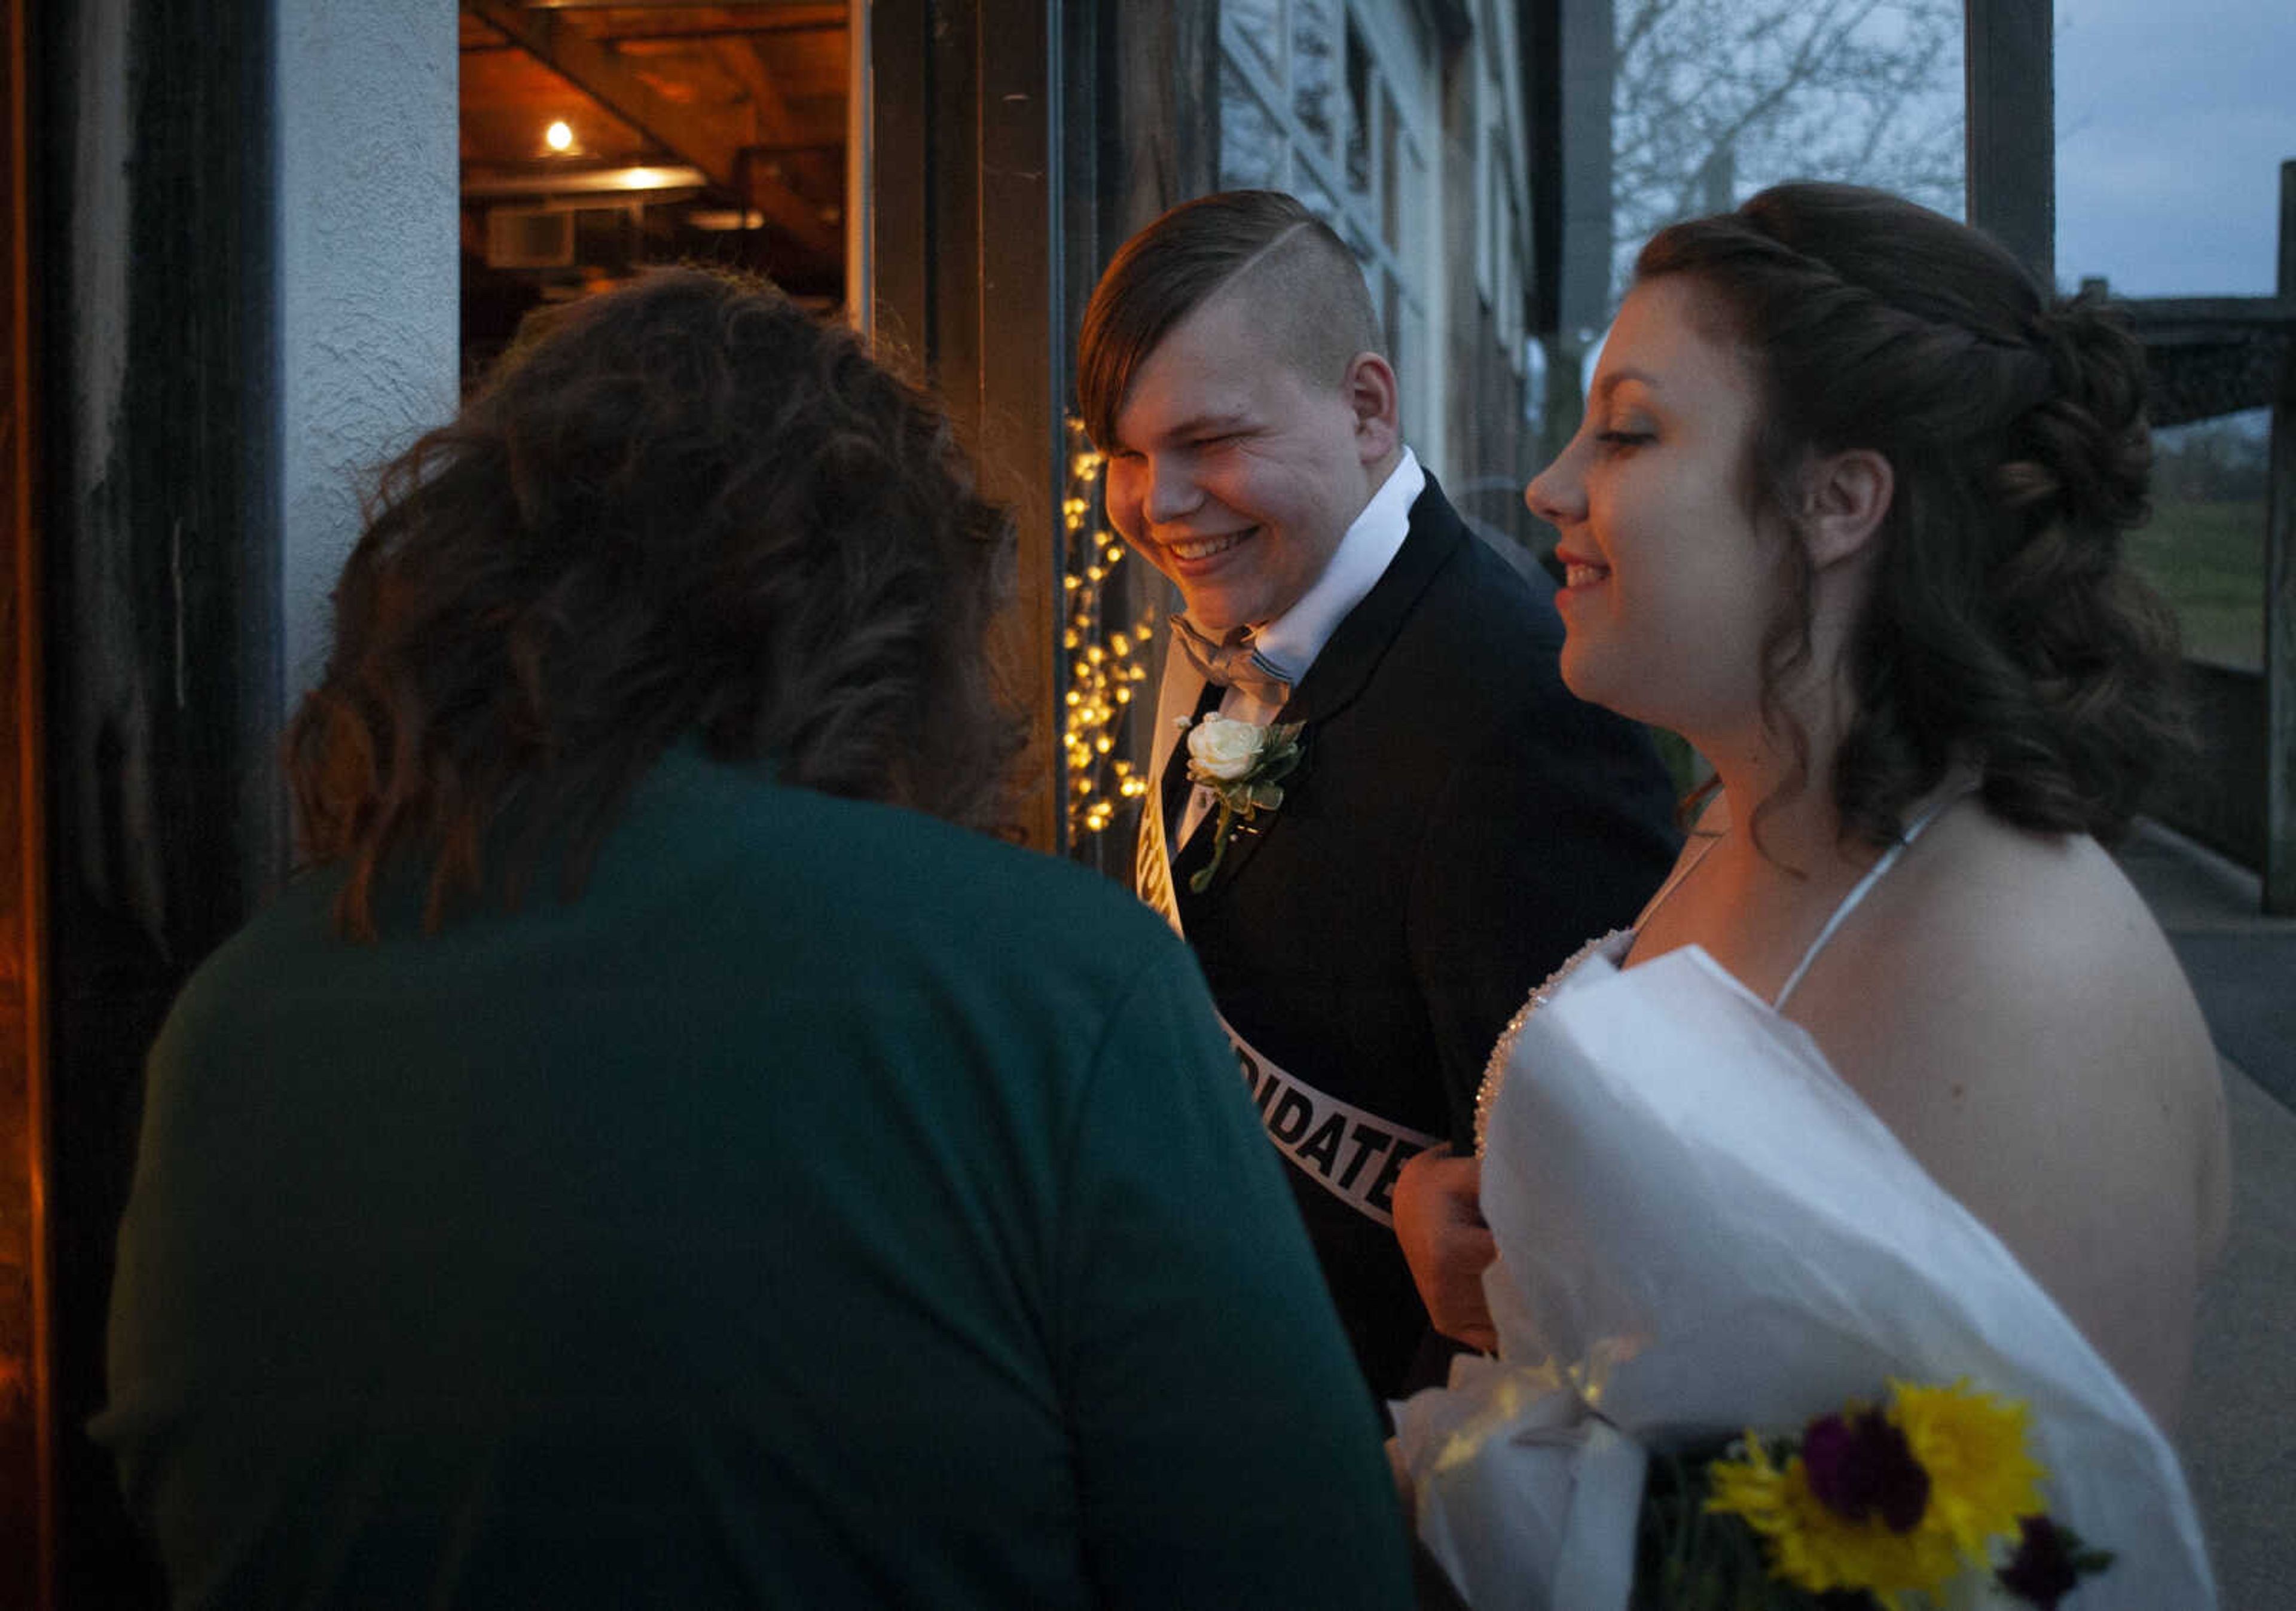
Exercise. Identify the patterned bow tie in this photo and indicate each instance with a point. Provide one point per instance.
(1233, 664)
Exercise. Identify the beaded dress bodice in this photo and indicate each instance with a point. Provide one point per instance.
(1614, 947)
(1611, 947)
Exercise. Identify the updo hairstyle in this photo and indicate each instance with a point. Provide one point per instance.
(2004, 629)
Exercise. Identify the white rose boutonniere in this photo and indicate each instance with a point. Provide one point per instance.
(1243, 764)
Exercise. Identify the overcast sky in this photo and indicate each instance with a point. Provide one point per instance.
(2173, 117)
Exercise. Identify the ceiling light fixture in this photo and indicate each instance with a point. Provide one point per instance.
(580, 180)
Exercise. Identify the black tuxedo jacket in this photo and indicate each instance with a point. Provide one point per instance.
(1458, 824)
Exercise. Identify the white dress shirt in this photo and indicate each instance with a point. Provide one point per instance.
(1293, 640)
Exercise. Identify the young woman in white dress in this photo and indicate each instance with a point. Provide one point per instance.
(1846, 511)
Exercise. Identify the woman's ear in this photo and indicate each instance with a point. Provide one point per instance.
(1845, 498)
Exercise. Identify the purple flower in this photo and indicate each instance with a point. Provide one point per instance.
(2049, 1563)
(1859, 1466)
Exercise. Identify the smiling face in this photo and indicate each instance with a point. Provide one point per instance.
(1236, 474)
(1671, 582)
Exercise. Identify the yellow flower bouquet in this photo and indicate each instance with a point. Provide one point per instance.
(1932, 1499)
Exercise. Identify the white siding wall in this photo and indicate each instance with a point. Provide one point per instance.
(369, 274)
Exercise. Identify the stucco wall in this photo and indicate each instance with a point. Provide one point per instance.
(369, 274)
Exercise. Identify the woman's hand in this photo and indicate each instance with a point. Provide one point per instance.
(1438, 1219)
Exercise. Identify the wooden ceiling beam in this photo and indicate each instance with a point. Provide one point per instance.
(775, 125)
(607, 76)
(831, 20)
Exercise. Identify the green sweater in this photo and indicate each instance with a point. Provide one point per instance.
(829, 1208)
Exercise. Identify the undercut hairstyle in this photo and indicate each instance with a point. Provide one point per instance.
(686, 507)
(2004, 629)
(1303, 284)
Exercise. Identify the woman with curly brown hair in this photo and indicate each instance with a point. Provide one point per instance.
(1846, 510)
(648, 1158)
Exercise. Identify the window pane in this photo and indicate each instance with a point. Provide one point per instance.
(1506, 222)
(1412, 225)
(1344, 223)
(1252, 143)
(1714, 99)
(1487, 231)
(1315, 199)
(1402, 351)
(1359, 66)
(1391, 207)
(1315, 73)
(1413, 361)
(1260, 24)
(2204, 546)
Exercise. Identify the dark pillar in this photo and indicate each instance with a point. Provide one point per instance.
(152, 150)
(2013, 132)
(1571, 184)
(27, 1429)
(964, 251)
(2280, 596)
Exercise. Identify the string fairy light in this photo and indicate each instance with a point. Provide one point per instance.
(1107, 664)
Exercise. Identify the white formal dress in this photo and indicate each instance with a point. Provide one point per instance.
(1702, 1228)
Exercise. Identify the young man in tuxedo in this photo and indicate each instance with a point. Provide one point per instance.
(1457, 824)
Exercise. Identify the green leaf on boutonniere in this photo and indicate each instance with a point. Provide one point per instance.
(1240, 762)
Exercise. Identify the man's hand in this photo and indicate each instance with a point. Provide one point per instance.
(1438, 1219)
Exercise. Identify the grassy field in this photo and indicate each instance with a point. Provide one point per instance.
(2208, 559)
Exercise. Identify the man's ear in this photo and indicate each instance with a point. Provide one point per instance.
(1373, 398)
(1845, 496)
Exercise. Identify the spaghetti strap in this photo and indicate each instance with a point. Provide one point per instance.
(1887, 859)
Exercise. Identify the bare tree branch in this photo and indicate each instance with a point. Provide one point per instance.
(1758, 91)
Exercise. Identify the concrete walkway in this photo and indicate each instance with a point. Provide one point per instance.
(2239, 1434)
